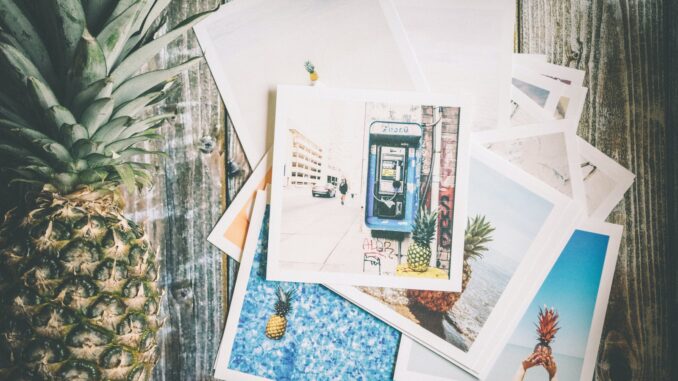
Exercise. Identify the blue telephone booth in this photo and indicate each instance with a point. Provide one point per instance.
(392, 196)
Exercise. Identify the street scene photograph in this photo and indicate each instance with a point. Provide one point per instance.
(368, 188)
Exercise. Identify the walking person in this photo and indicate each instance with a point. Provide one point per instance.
(343, 188)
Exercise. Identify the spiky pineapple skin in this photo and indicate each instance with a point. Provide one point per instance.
(546, 327)
(78, 282)
(477, 235)
(419, 252)
(276, 327)
(418, 257)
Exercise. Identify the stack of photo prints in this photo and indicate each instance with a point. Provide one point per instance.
(420, 206)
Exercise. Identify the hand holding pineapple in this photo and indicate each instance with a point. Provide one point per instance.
(547, 327)
(78, 279)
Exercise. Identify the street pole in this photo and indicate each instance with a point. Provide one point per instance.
(436, 137)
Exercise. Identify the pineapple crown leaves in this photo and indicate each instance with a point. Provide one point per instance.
(477, 235)
(283, 304)
(310, 68)
(72, 106)
(424, 227)
(547, 325)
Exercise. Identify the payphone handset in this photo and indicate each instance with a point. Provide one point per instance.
(392, 184)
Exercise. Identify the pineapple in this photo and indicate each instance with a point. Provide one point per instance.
(310, 68)
(419, 251)
(477, 235)
(277, 323)
(547, 327)
(78, 280)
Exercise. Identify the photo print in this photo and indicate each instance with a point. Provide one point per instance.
(365, 188)
(558, 335)
(515, 224)
(252, 46)
(292, 331)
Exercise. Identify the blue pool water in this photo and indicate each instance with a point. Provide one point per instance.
(327, 337)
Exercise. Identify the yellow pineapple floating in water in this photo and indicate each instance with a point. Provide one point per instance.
(277, 323)
(311, 71)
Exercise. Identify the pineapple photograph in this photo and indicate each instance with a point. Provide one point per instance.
(78, 278)
(365, 190)
(297, 331)
(551, 341)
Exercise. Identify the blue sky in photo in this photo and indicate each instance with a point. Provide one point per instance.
(516, 213)
(572, 288)
(327, 337)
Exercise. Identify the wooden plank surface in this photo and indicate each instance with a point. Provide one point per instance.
(670, 17)
(178, 213)
(622, 46)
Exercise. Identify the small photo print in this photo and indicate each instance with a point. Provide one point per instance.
(366, 189)
(294, 331)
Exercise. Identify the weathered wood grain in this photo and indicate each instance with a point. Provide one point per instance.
(179, 212)
(622, 47)
(671, 40)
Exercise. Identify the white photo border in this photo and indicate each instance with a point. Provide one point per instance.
(622, 177)
(542, 129)
(505, 60)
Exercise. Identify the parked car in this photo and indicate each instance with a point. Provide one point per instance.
(325, 190)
